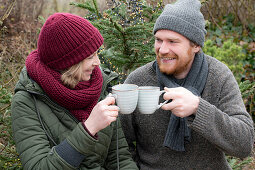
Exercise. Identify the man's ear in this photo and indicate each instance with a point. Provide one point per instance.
(196, 48)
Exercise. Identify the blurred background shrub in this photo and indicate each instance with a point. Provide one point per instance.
(127, 29)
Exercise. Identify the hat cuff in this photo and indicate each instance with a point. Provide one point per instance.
(86, 49)
(182, 27)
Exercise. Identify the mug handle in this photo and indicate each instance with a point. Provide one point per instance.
(161, 104)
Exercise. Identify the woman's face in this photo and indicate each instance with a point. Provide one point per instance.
(88, 65)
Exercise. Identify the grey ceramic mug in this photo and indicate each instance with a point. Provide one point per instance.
(148, 100)
(126, 96)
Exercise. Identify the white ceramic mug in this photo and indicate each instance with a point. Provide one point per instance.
(126, 96)
(149, 98)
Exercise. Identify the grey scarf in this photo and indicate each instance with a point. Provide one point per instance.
(178, 133)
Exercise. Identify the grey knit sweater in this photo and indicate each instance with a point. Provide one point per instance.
(221, 125)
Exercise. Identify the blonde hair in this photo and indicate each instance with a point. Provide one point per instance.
(72, 76)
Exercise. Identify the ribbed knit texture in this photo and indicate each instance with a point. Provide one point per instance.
(178, 133)
(66, 39)
(69, 154)
(185, 18)
(221, 125)
(79, 101)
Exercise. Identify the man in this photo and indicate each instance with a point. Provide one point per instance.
(205, 118)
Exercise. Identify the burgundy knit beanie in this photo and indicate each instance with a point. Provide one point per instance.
(66, 39)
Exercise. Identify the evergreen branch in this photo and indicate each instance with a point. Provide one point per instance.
(148, 12)
(86, 5)
(121, 30)
(96, 9)
(117, 26)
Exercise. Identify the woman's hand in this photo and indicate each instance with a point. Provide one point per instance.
(102, 115)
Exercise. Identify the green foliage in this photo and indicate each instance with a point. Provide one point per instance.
(8, 155)
(230, 53)
(226, 29)
(248, 93)
(90, 6)
(3, 31)
(127, 31)
(245, 37)
(9, 158)
(5, 96)
(249, 51)
(247, 88)
(234, 57)
(237, 164)
(239, 34)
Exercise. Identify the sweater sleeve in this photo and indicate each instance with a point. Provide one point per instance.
(226, 122)
(118, 140)
(33, 145)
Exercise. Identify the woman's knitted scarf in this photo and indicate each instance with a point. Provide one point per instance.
(79, 101)
(178, 133)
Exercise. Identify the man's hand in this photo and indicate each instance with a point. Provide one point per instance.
(184, 102)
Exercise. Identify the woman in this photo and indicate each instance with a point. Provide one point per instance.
(61, 117)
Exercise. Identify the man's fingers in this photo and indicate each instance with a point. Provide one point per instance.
(169, 106)
(172, 93)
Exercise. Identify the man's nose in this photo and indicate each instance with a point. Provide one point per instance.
(164, 48)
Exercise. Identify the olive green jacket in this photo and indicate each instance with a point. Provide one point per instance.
(37, 151)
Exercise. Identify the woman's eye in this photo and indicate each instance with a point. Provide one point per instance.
(92, 56)
(158, 40)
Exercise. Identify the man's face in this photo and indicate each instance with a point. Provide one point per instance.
(174, 53)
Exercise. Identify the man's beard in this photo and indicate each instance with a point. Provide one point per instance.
(164, 67)
(176, 68)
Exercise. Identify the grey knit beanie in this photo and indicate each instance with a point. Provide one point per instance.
(185, 18)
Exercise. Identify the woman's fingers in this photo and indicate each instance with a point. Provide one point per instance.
(113, 108)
